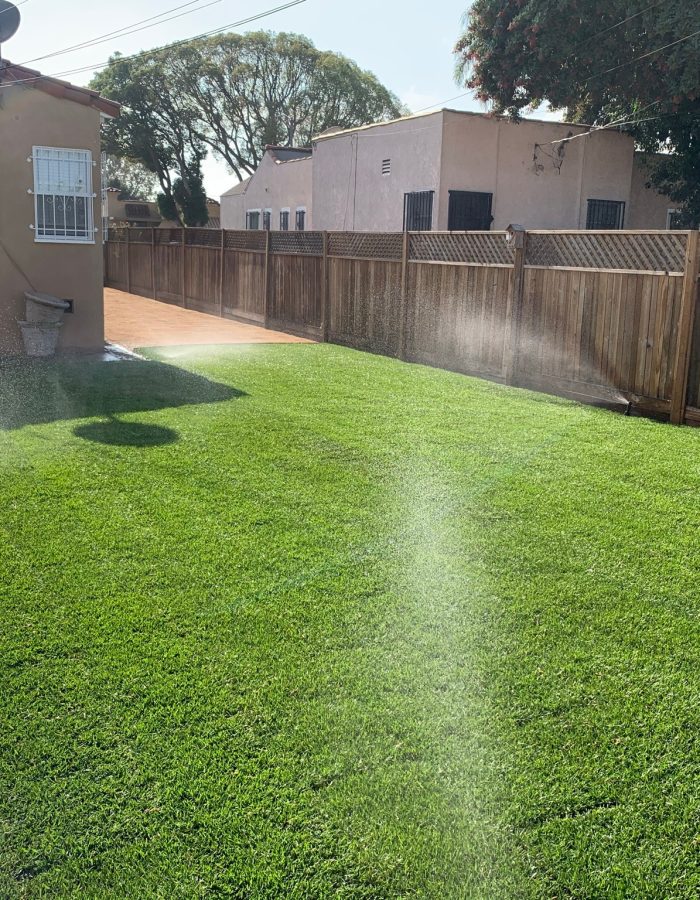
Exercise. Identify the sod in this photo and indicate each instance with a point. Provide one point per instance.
(297, 621)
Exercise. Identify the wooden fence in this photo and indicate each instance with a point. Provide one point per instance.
(598, 316)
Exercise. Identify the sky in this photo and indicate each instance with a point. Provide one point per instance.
(406, 43)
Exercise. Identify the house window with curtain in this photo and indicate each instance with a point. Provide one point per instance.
(267, 219)
(284, 220)
(252, 220)
(63, 197)
(301, 219)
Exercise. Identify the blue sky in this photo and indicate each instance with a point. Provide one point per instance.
(406, 43)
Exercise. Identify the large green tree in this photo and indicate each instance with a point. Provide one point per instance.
(131, 178)
(602, 61)
(231, 95)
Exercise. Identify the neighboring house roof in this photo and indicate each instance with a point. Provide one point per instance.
(286, 154)
(239, 188)
(329, 134)
(13, 74)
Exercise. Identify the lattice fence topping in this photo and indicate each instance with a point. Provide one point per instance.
(202, 237)
(168, 235)
(245, 240)
(117, 235)
(140, 235)
(487, 247)
(304, 243)
(367, 245)
(653, 252)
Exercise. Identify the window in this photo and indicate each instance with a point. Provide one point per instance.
(137, 210)
(673, 220)
(63, 198)
(252, 220)
(605, 214)
(386, 167)
(418, 211)
(469, 211)
(301, 219)
(267, 219)
(284, 220)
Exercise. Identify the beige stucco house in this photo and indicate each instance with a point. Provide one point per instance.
(454, 170)
(120, 211)
(277, 197)
(50, 225)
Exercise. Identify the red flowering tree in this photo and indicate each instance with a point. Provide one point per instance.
(602, 61)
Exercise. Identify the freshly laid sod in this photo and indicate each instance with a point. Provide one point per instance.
(302, 622)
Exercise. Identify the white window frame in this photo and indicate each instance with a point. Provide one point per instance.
(670, 213)
(285, 209)
(250, 212)
(296, 212)
(39, 155)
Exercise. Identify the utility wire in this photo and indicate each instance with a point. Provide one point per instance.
(164, 49)
(14, 5)
(122, 32)
(624, 21)
(643, 56)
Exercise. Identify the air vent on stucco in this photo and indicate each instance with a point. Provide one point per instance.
(386, 167)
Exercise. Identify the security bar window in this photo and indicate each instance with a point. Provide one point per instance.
(301, 219)
(252, 220)
(418, 211)
(284, 220)
(267, 219)
(63, 197)
(605, 215)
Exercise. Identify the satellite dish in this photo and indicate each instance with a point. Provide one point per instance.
(9, 20)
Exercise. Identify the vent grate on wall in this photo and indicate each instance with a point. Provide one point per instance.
(386, 167)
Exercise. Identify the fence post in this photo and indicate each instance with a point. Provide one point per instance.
(403, 311)
(183, 273)
(128, 262)
(515, 308)
(153, 263)
(325, 293)
(266, 279)
(686, 323)
(222, 261)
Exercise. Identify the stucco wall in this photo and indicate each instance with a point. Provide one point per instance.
(649, 209)
(29, 118)
(350, 192)
(274, 186)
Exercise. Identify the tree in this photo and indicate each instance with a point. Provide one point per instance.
(156, 125)
(188, 201)
(233, 94)
(602, 61)
(131, 178)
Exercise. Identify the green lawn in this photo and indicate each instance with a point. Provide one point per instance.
(303, 622)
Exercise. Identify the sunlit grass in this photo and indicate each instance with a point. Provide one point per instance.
(301, 622)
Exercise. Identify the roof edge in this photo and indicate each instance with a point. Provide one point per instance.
(64, 90)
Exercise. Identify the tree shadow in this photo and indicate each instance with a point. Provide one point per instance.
(37, 392)
(126, 434)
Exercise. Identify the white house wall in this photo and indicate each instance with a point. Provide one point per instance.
(274, 186)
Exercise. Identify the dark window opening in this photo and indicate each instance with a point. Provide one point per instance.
(301, 220)
(137, 210)
(284, 220)
(418, 211)
(469, 211)
(605, 214)
(267, 219)
(252, 220)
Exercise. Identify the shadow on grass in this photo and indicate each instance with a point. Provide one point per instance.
(36, 392)
(126, 434)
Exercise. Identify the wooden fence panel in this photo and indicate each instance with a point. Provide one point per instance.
(169, 272)
(244, 285)
(295, 293)
(202, 276)
(115, 265)
(365, 303)
(610, 330)
(458, 316)
(140, 269)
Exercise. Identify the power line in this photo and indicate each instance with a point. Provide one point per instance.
(643, 56)
(165, 48)
(10, 8)
(123, 32)
(624, 21)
